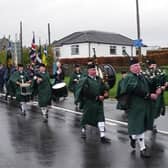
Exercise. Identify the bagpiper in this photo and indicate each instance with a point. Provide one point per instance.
(140, 117)
(92, 91)
(157, 79)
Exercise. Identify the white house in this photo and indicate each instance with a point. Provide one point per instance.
(81, 44)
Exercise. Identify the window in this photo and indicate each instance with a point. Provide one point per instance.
(124, 52)
(75, 50)
(57, 52)
(113, 50)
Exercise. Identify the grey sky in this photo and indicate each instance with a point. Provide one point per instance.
(68, 16)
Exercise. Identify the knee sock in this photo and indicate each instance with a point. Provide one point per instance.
(44, 110)
(23, 106)
(134, 137)
(101, 126)
(141, 141)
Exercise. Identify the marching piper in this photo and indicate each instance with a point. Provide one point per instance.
(92, 91)
(140, 117)
(157, 79)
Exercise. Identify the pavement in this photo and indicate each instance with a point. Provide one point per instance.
(27, 142)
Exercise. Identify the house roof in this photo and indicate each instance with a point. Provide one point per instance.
(94, 37)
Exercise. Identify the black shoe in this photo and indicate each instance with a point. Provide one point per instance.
(83, 135)
(154, 130)
(6, 97)
(23, 113)
(132, 142)
(145, 153)
(76, 108)
(46, 115)
(45, 120)
(105, 140)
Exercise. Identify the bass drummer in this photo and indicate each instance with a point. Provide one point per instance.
(59, 78)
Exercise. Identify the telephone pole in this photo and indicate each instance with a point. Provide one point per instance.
(138, 31)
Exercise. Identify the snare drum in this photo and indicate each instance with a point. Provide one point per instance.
(25, 89)
(60, 90)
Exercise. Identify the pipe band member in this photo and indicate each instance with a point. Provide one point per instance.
(75, 77)
(140, 117)
(92, 92)
(18, 79)
(59, 78)
(157, 79)
(43, 90)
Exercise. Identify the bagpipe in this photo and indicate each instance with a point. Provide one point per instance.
(105, 71)
(155, 74)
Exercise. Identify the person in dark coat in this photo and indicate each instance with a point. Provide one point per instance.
(122, 100)
(74, 81)
(2, 72)
(59, 78)
(157, 79)
(9, 87)
(43, 90)
(18, 79)
(140, 117)
(92, 91)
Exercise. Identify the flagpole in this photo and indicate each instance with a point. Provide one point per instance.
(15, 49)
(21, 48)
(39, 41)
(49, 35)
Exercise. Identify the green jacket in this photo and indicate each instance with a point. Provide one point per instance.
(19, 77)
(44, 90)
(140, 117)
(87, 91)
(157, 78)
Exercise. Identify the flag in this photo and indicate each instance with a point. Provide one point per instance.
(9, 54)
(44, 56)
(32, 52)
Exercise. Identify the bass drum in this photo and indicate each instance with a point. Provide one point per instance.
(59, 90)
(109, 74)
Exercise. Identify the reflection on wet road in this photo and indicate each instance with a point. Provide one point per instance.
(27, 142)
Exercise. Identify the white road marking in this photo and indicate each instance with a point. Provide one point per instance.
(108, 120)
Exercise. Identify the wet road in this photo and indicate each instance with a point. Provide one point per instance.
(27, 142)
(117, 116)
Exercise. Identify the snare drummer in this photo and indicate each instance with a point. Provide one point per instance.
(20, 78)
(43, 90)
